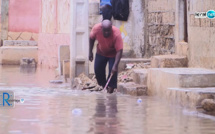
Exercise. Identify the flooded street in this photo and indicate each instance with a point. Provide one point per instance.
(56, 109)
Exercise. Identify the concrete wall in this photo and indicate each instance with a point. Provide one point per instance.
(24, 19)
(201, 33)
(55, 31)
(160, 27)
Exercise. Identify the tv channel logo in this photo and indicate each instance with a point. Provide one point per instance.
(210, 14)
(7, 99)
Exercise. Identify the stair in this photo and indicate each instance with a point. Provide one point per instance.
(169, 61)
(132, 88)
(190, 97)
(186, 86)
(140, 76)
(138, 86)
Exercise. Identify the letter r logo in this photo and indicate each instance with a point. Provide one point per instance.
(6, 97)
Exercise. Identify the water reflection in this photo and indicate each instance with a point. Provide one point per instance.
(28, 70)
(105, 118)
(59, 110)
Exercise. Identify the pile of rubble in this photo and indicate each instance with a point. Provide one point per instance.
(126, 76)
(209, 106)
(82, 82)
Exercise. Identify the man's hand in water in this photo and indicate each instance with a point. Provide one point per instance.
(91, 56)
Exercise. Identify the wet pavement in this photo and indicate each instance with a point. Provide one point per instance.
(56, 109)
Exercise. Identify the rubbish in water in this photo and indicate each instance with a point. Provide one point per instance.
(76, 111)
(139, 100)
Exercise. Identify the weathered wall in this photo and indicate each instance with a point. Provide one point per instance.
(133, 41)
(24, 19)
(160, 27)
(201, 33)
(133, 30)
(55, 31)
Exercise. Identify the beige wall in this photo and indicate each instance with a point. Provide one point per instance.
(201, 33)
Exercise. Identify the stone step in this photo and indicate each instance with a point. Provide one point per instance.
(19, 43)
(169, 61)
(140, 76)
(132, 88)
(190, 97)
(160, 79)
(11, 55)
(124, 61)
(182, 48)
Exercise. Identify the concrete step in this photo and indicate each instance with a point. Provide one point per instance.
(190, 97)
(169, 61)
(140, 76)
(132, 88)
(124, 61)
(11, 55)
(182, 48)
(19, 43)
(160, 79)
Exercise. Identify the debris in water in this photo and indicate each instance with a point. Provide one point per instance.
(139, 101)
(56, 81)
(76, 111)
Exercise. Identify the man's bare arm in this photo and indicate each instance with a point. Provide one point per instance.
(117, 60)
(91, 45)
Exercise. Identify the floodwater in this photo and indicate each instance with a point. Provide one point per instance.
(56, 109)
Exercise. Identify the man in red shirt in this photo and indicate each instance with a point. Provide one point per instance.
(109, 50)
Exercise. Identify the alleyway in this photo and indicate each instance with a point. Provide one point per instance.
(56, 109)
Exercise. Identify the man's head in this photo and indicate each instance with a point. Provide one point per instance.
(106, 28)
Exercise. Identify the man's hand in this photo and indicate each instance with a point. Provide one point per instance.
(91, 56)
(114, 70)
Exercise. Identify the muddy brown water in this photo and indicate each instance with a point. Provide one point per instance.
(56, 109)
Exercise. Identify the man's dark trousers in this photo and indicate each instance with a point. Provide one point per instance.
(100, 71)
